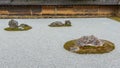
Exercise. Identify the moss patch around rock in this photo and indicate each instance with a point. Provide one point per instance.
(106, 48)
(115, 18)
(60, 25)
(18, 29)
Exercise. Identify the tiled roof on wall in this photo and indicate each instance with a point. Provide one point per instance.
(59, 2)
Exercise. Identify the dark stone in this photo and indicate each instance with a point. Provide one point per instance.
(67, 23)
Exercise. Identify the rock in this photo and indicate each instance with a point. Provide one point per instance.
(23, 25)
(13, 24)
(57, 23)
(74, 49)
(89, 40)
(67, 22)
(20, 27)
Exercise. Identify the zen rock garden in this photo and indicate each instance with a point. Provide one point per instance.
(61, 47)
(60, 24)
(89, 45)
(14, 26)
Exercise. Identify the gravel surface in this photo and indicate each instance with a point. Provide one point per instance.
(42, 46)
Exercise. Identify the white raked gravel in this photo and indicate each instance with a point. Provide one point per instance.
(42, 46)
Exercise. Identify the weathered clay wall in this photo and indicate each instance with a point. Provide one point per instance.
(59, 10)
(79, 10)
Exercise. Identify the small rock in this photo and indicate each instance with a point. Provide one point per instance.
(23, 25)
(20, 27)
(67, 22)
(74, 49)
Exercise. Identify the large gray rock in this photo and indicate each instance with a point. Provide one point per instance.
(13, 24)
(56, 23)
(89, 40)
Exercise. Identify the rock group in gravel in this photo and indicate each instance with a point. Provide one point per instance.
(89, 40)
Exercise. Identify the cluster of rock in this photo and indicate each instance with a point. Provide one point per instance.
(14, 24)
(59, 23)
(86, 41)
(89, 40)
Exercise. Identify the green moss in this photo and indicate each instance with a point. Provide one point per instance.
(115, 18)
(18, 29)
(107, 47)
(67, 25)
